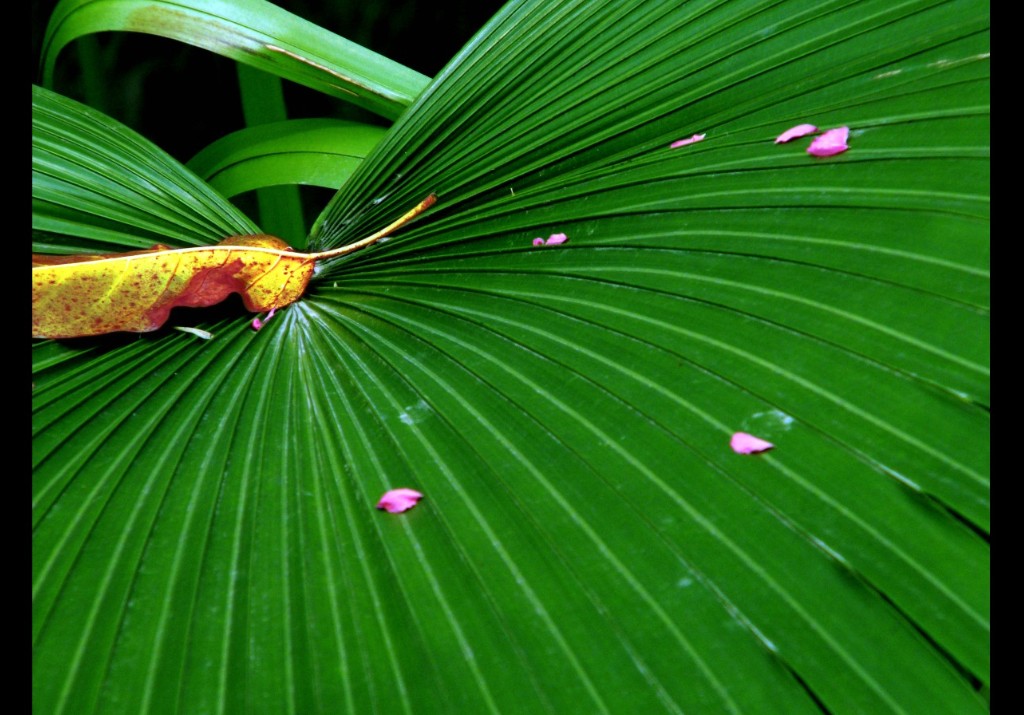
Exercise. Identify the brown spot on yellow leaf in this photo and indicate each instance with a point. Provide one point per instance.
(74, 296)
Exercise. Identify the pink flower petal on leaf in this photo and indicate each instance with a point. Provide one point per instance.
(683, 142)
(831, 142)
(556, 239)
(743, 443)
(257, 323)
(538, 241)
(398, 500)
(800, 130)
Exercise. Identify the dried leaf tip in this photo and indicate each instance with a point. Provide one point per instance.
(743, 443)
(831, 142)
(257, 323)
(396, 501)
(800, 130)
(683, 142)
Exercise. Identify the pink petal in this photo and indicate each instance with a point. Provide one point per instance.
(538, 241)
(398, 500)
(683, 142)
(556, 239)
(800, 130)
(257, 323)
(831, 142)
(743, 443)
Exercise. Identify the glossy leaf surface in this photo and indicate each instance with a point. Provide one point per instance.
(318, 152)
(205, 531)
(255, 32)
(93, 187)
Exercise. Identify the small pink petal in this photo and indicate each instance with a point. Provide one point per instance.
(257, 323)
(398, 500)
(743, 443)
(538, 241)
(831, 142)
(683, 142)
(556, 239)
(800, 130)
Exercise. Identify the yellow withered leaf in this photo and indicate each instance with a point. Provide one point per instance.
(75, 296)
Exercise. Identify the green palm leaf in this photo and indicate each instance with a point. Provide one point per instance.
(204, 531)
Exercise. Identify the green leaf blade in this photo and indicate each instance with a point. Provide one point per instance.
(587, 539)
(254, 32)
(317, 152)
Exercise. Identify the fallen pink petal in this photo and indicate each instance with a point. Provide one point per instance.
(398, 500)
(257, 323)
(800, 130)
(556, 239)
(683, 142)
(831, 142)
(538, 241)
(743, 443)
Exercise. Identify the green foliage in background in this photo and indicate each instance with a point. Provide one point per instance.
(204, 531)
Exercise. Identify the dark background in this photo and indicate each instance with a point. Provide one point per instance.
(183, 98)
